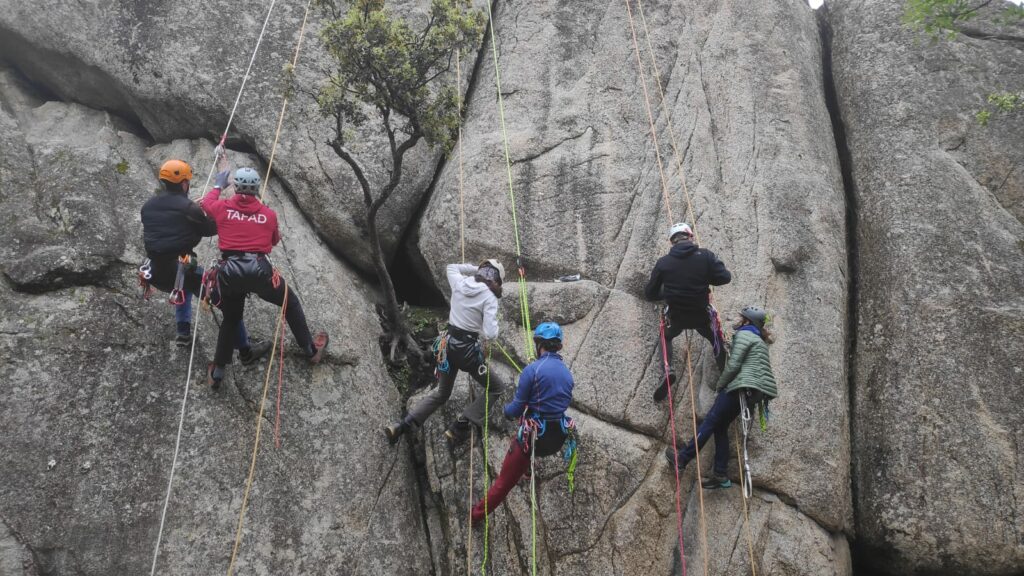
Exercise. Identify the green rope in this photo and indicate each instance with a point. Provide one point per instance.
(487, 414)
(524, 305)
(507, 357)
(533, 503)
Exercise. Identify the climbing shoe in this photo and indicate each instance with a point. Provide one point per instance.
(184, 334)
(394, 432)
(715, 481)
(670, 456)
(214, 376)
(661, 392)
(320, 342)
(254, 352)
(457, 433)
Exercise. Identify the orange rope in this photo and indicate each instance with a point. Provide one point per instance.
(650, 115)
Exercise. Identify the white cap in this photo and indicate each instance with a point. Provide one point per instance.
(680, 228)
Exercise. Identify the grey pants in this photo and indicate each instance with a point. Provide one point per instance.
(463, 354)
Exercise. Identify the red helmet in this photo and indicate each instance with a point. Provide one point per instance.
(175, 171)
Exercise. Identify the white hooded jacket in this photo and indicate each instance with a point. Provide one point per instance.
(474, 306)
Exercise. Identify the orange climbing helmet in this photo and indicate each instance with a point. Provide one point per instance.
(175, 171)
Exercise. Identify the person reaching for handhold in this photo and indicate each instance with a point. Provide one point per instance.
(683, 279)
(172, 226)
(541, 399)
(247, 232)
(747, 380)
(474, 313)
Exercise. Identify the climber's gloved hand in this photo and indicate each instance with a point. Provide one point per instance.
(221, 180)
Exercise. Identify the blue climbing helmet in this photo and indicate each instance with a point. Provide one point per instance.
(247, 181)
(548, 331)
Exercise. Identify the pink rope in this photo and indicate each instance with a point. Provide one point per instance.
(675, 449)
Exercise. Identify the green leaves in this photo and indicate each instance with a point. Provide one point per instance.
(941, 18)
(1005, 102)
(380, 63)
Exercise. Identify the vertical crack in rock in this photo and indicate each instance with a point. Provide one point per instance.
(413, 280)
(845, 165)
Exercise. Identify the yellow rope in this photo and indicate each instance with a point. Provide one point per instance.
(259, 428)
(743, 496)
(284, 102)
(696, 445)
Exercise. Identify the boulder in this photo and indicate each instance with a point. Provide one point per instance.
(937, 370)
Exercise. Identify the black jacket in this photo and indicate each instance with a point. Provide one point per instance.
(173, 225)
(682, 277)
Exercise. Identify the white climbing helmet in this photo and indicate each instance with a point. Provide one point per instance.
(247, 181)
(497, 266)
(680, 228)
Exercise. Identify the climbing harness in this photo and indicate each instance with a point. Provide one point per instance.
(532, 426)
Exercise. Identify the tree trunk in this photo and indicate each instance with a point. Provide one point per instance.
(399, 332)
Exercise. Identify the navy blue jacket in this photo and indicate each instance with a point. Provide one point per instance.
(682, 277)
(545, 387)
(173, 225)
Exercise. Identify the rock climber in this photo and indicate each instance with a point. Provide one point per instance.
(247, 232)
(474, 313)
(172, 226)
(683, 278)
(541, 399)
(747, 380)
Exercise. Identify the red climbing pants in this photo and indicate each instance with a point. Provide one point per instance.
(515, 466)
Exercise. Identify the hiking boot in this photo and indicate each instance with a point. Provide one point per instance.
(214, 376)
(716, 481)
(394, 432)
(184, 334)
(661, 392)
(457, 433)
(320, 342)
(254, 352)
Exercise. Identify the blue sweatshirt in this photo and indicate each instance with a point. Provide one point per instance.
(545, 387)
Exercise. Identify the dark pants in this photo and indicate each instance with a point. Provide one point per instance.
(239, 277)
(165, 271)
(517, 465)
(463, 354)
(687, 319)
(725, 409)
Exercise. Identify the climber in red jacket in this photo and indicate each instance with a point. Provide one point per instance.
(247, 231)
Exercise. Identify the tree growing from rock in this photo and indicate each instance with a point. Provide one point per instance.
(384, 71)
(949, 18)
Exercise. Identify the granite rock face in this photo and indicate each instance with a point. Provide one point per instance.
(175, 70)
(743, 88)
(940, 291)
(94, 385)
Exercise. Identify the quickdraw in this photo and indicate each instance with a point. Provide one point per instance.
(210, 284)
(716, 330)
(745, 421)
(440, 350)
(145, 275)
(178, 295)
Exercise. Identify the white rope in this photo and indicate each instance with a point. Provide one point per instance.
(241, 89)
(177, 441)
(195, 332)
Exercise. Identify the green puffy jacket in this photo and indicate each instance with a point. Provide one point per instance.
(749, 366)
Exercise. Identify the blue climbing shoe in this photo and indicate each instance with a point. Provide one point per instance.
(715, 482)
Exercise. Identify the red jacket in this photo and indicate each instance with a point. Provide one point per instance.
(244, 224)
